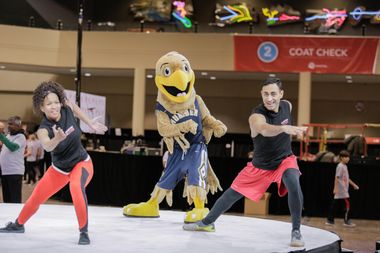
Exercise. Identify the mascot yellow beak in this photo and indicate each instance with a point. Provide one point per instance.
(174, 77)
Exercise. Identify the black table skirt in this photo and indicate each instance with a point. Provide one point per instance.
(122, 179)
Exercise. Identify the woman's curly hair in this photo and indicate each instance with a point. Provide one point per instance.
(44, 89)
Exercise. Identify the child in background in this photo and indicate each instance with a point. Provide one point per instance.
(341, 185)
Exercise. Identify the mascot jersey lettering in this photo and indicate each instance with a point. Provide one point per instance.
(192, 163)
(192, 114)
(69, 151)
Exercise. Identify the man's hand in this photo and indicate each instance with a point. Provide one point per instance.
(295, 130)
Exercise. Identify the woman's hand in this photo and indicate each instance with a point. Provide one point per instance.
(98, 127)
(59, 134)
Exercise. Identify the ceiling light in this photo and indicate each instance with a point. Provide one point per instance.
(272, 75)
(87, 74)
(149, 76)
(204, 73)
(348, 77)
(2, 67)
(212, 78)
(349, 80)
(73, 70)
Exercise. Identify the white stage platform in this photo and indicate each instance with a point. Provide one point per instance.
(54, 229)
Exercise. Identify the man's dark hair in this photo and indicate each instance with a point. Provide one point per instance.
(344, 153)
(273, 80)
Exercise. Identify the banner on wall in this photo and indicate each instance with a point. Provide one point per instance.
(305, 54)
(92, 105)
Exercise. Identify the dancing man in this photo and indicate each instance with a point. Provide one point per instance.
(273, 161)
(60, 135)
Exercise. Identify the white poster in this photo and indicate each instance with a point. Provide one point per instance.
(93, 105)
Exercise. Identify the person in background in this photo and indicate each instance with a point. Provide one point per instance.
(40, 158)
(341, 185)
(273, 161)
(12, 160)
(2, 128)
(60, 134)
(32, 153)
(128, 147)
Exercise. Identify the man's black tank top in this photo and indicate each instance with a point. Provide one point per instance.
(270, 151)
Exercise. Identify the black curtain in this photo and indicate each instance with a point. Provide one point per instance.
(122, 179)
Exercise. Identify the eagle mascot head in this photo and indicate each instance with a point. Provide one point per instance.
(175, 80)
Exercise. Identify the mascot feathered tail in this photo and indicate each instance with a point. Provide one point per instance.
(186, 126)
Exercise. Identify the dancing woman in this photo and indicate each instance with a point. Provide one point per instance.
(60, 135)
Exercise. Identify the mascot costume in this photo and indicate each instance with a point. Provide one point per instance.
(186, 126)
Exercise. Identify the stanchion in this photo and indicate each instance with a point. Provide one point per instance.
(89, 25)
(363, 29)
(195, 27)
(32, 22)
(59, 24)
(142, 26)
(250, 27)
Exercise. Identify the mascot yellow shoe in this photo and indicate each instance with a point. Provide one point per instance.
(150, 208)
(144, 209)
(186, 125)
(197, 196)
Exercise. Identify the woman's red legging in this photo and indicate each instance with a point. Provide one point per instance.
(52, 182)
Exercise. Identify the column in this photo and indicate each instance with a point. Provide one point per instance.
(138, 110)
(304, 98)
